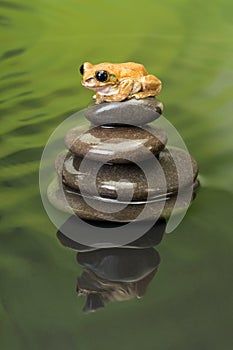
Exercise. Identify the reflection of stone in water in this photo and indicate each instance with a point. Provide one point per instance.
(100, 292)
(72, 228)
(113, 274)
(120, 264)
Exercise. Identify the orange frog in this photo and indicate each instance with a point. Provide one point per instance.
(118, 82)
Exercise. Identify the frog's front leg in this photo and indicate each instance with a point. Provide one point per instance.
(123, 91)
(98, 98)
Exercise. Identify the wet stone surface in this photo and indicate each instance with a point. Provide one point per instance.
(70, 201)
(136, 112)
(119, 180)
(116, 144)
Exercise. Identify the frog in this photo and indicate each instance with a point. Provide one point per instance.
(116, 82)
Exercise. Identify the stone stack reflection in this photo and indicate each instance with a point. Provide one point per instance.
(114, 274)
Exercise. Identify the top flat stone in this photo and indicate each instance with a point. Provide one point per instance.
(135, 112)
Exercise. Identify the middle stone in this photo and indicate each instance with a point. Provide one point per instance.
(121, 144)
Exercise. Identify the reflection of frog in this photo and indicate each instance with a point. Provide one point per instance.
(117, 82)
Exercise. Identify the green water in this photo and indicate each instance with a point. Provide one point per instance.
(188, 45)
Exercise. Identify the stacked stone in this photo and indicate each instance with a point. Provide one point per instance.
(120, 151)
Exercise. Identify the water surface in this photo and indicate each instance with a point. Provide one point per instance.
(189, 46)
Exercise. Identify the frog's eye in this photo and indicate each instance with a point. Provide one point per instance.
(81, 69)
(101, 75)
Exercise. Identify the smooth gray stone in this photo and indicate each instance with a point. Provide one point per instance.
(136, 112)
(120, 144)
(109, 178)
(72, 202)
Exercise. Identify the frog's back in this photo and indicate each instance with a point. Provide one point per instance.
(122, 70)
(131, 69)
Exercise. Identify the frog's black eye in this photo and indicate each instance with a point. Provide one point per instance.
(101, 75)
(81, 69)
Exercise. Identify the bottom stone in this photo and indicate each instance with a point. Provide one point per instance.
(110, 210)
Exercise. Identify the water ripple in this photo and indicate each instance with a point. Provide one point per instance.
(12, 53)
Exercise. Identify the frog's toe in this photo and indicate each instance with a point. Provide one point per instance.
(134, 96)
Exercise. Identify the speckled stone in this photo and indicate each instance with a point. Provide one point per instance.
(109, 177)
(118, 144)
(72, 202)
(136, 112)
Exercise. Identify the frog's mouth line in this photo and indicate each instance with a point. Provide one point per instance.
(98, 87)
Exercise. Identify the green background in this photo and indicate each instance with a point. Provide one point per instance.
(188, 45)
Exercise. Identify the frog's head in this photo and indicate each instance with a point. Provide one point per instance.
(97, 77)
